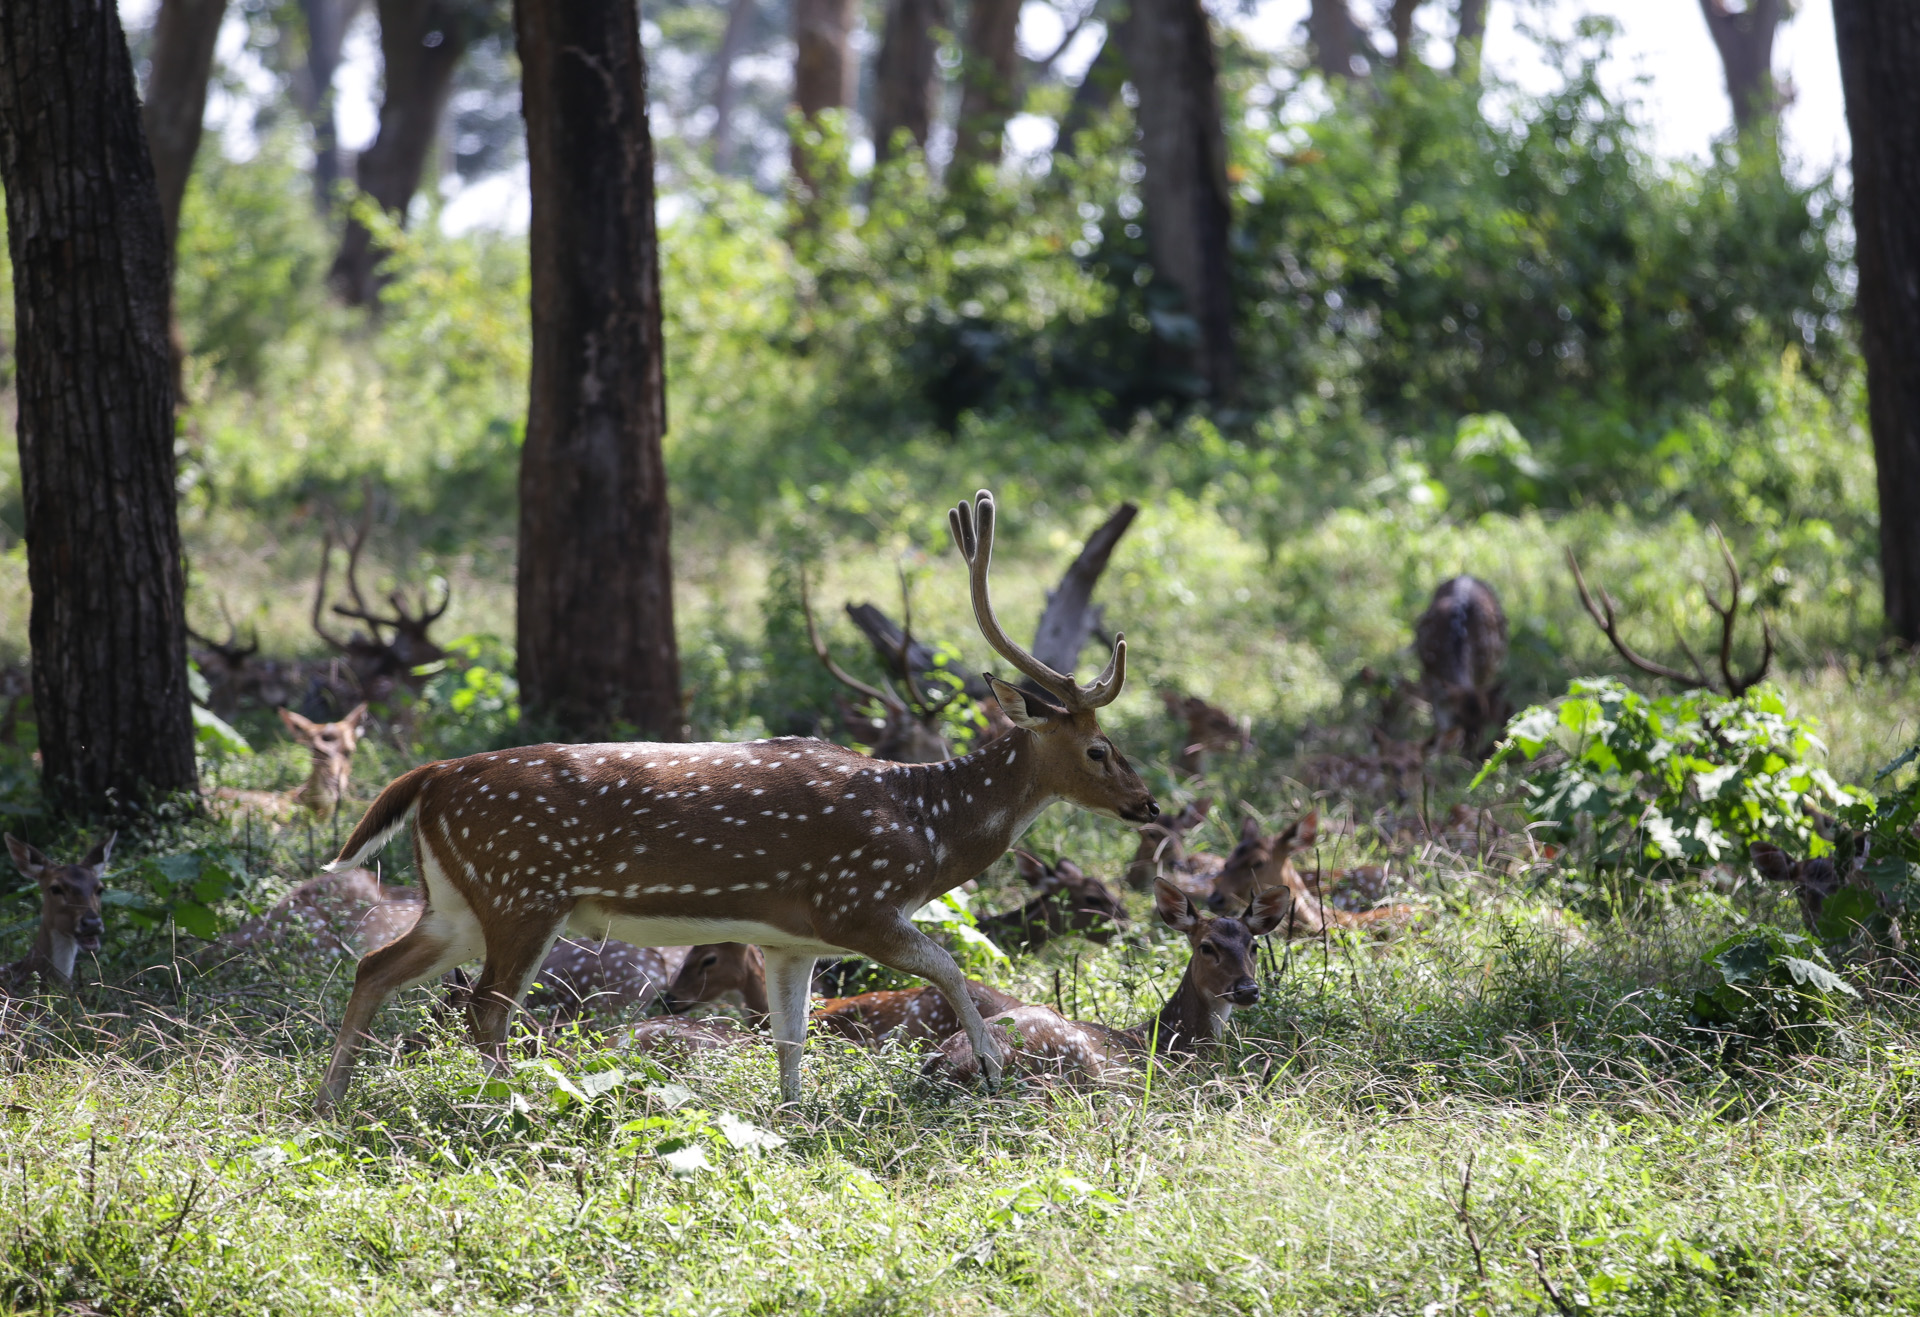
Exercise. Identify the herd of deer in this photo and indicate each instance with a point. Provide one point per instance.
(620, 876)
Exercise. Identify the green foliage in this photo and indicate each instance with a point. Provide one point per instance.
(472, 701)
(1773, 985)
(1661, 785)
(186, 888)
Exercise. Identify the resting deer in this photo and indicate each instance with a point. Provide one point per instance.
(1065, 900)
(909, 731)
(1815, 881)
(734, 973)
(1219, 977)
(1461, 641)
(1162, 853)
(335, 915)
(332, 746)
(1209, 728)
(1262, 864)
(1395, 767)
(798, 846)
(391, 648)
(70, 918)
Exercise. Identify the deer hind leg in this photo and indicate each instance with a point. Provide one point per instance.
(504, 979)
(789, 983)
(438, 942)
(908, 950)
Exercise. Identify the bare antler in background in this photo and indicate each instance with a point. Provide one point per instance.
(378, 654)
(1604, 615)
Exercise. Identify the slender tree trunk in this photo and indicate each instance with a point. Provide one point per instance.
(907, 73)
(732, 41)
(184, 33)
(422, 42)
(1335, 38)
(1469, 35)
(823, 65)
(1184, 149)
(990, 82)
(596, 577)
(1099, 88)
(1744, 38)
(89, 250)
(327, 24)
(1879, 43)
(1400, 23)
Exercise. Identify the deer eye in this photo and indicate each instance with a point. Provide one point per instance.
(1097, 753)
(57, 889)
(709, 962)
(1211, 953)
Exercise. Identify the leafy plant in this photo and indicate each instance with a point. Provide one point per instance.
(1773, 985)
(184, 888)
(1660, 785)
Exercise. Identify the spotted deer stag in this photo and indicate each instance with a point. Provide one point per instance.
(1461, 641)
(800, 847)
(1220, 975)
(332, 746)
(70, 915)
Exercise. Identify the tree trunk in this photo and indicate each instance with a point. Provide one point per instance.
(184, 33)
(990, 82)
(1400, 23)
(1335, 38)
(1744, 38)
(823, 65)
(1879, 43)
(596, 579)
(907, 74)
(1469, 36)
(421, 42)
(732, 41)
(1071, 618)
(1183, 147)
(95, 428)
(327, 24)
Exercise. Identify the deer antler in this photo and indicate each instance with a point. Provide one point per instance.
(1737, 686)
(1610, 627)
(1603, 615)
(320, 593)
(972, 525)
(887, 700)
(923, 706)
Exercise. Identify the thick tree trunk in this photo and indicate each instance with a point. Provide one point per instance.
(823, 64)
(422, 42)
(1744, 38)
(184, 33)
(108, 624)
(1879, 43)
(907, 73)
(1335, 38)
(1184, 149)
(1469, 35)
(1400, 23)
(732, 41)
(990, 82)
(327, 24)
(596, 579)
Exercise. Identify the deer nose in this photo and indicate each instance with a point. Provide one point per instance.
(91, 926)
(1216, 902)
(1245, 993)
(1153, 809)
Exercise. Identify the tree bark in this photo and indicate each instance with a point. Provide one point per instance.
(1071, 618)
(184, 34)
(1879, 42)
(1184, 149)
(1744, 38)
(907, 73)
(327, 24)
(1400, 23)
(823, 66)
(1469, 35)
(89, 251)
(596, 632)
(422, 42)
(732, 41)
(1335, 38)
(990, 82)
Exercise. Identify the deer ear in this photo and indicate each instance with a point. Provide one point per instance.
(1033, 869)
(355, 715)
(1022, 708)
(1069, 873)
(1306, 830)
(96, 859)
(1174, 907)
(1269, 908)
(1200, 809)
(1250, 830)
(27, 859)
(302, 728)
(1769, 860)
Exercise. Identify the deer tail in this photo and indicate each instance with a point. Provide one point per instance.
(383, 818)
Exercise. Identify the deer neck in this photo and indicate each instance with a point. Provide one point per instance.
(326, 784)
(1186, 1023)
(978, 806)
(52, 956)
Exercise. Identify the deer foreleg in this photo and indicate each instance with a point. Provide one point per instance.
(504, 980)
(912, 952)
(789, 985)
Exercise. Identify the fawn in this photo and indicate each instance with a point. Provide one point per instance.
(1162, 853)
(1219, 977)
(70, 917)
(1209, 728)
(1262, 863)
(1065, 901)
(1461, 641)
(332, 745)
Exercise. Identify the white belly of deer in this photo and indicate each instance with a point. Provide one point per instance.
(591, 919)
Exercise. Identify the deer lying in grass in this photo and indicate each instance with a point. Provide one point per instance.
(1393, 768)
(391, 650)
(333, 916)
(800, 847)
(70, 916)
(1263, 863)
(332, 746)
(1209, 729)
(1065, 900)
(1162, 853)
(1817, 881)
(1219, 976)
(1461, 641)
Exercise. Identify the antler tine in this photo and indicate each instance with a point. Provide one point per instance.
(320, 591)
(354, 546)
(1729, 615)
(972, 526)
(887, 700)
(1610, 628)
(916, 696)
